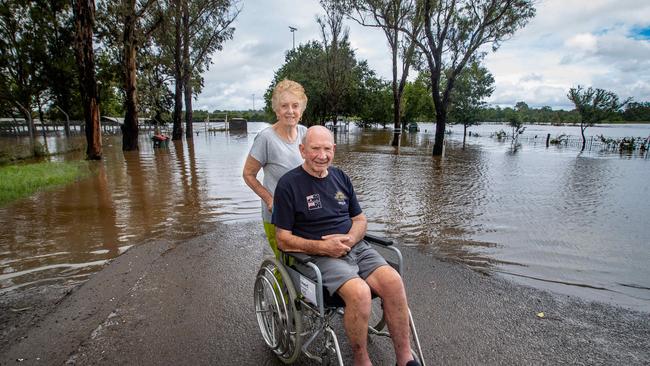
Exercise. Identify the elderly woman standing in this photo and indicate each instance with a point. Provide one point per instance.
(276, 149)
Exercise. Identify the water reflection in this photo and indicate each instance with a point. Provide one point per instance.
(546, 216)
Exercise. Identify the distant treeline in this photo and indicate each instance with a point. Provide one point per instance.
(633, 112)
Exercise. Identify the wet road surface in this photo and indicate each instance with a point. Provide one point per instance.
(190, 302)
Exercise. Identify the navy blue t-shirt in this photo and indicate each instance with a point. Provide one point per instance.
(312, 207)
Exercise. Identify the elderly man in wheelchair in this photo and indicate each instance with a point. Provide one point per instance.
(327, 257)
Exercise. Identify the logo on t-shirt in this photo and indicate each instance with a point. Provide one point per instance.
(313, 202)
(340, 197)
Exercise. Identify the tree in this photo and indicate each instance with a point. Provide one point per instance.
(23, 49)
(635, 111)
(84, 19)
(594, 106)
(517, 125)
(60, 73)
(473, 84)
(391, 16)
(190, 33)
(206, 26)
(339, 58)
(454, 32)
(417, 103)
(307, 65)
(137, 21)
(304, 65)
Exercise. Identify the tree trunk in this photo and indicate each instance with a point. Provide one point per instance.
(464, 134)
(441, 115)
(441, 119)
(584, 139)
(397, 129)
(177, 133)
(41, 117)
(187, 75)
(27, 113)
(130, 128)
(84, 17)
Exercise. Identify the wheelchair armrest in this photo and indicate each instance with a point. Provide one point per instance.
(377, 240)
(300, 257)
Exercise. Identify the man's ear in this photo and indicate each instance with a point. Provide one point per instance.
(301, 147)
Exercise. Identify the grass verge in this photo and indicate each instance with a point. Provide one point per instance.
(19, 181)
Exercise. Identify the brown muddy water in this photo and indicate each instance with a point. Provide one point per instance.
(551, 217)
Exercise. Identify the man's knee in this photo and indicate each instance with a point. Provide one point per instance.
(356, 293)
(386, 282)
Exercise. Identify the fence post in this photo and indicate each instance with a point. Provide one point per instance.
(548, 139)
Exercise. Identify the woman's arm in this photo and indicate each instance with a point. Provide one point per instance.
(251, 168)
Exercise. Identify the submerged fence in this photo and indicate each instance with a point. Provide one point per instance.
(597, 143)
(18, 127)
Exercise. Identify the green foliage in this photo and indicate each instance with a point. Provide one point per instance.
(637, 112)
(23, 46)
(376, 102)
(560, 139)
(417, 104)
(500, 134)
(472, 85)
(594, 104)
(19, 181)
(362, 95)
(455, 33)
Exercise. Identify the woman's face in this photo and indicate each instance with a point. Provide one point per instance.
(289, 109)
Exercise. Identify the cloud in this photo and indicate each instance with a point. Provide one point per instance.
(584, 42)
(600, 43)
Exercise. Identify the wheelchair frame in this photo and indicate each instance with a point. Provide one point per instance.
(282, 312)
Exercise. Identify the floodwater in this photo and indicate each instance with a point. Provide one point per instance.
(552, 218)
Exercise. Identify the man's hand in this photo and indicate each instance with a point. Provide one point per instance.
(337, 245)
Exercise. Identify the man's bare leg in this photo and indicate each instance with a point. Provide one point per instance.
(356, 295)
(387, 283)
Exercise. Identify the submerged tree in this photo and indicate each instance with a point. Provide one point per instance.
(338, 63)
(472, 85)
(191, 32)
(136, 20)
(454, 32)
(594, 106)
(206, 24)
(84, 19)
(391, 16)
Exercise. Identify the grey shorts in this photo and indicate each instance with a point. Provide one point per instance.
(361, 261)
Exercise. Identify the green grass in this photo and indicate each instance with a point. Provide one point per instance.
(23, 180)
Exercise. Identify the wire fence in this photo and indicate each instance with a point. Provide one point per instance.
(592, 143)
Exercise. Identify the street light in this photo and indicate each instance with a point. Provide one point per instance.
(293, 34)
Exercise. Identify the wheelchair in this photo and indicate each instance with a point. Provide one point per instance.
(293, 311)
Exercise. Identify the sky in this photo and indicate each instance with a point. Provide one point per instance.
(599, 43)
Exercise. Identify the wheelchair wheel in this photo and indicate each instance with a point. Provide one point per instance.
(279, 320)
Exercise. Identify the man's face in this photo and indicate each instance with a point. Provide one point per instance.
(318, 152)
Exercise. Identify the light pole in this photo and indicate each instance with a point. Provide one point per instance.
(293, 35)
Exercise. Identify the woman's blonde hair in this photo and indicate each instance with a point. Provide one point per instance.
(291, 86)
